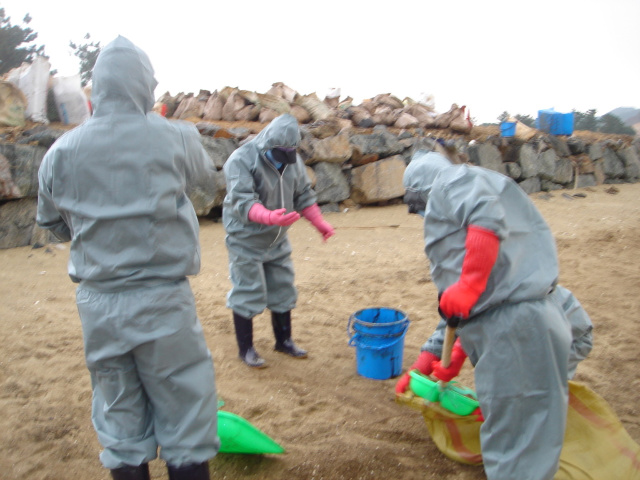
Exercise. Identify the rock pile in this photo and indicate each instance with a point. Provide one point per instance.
(233, 105)
(349, 164)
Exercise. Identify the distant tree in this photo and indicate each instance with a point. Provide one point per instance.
(585, 121)
(612, 124)
(503, 116)
(88, 54)
(528, 120)
(11, 37)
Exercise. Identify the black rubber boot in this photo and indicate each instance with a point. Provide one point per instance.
(141, 472)
(282, 330)
(244, 336)
(193, 471)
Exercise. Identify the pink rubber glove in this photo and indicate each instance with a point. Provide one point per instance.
(458, 356)
(481, 254)
(260, 214)
(424, 364)
(314, 215)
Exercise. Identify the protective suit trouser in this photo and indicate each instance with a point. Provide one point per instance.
(152, 376)
(522, 353)
(581, 326)
(260, 279)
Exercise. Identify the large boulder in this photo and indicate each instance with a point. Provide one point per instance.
(527, 158)
(631, 162)
(379, 144)
(378, 181)
(331, 184)
(612, 164)
(24, 161)
(487, 156)
(17, 222)
(335, 149)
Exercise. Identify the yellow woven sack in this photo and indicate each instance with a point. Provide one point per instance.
(13, 105)
(596, 445)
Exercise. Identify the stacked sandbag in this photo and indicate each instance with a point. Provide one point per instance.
(32, 79)
(235, 105)
(70, 99)
(192, 106)
(213, 107)
(318, 109)
(13, 105)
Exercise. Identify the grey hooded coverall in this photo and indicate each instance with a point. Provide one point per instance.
(115, 187)
(518, 336)
(260, 264)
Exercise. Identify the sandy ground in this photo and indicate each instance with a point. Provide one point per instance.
(333, 423)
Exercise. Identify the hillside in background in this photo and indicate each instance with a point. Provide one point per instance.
(630, 116)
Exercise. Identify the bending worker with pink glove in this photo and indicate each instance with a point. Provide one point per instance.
(493, 258)
(268, 189)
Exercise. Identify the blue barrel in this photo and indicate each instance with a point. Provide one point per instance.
(378, 335)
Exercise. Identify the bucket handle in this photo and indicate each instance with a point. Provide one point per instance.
(379, 347)
(352, 333)
(349, 328)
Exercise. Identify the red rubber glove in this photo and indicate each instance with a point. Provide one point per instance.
(314, 215)
(260, 214)
(481, 253)
(458, 356)
(424, 364)
(478, 414)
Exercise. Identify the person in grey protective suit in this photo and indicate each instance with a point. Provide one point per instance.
(265, 180)
(115, 186)
(494, 262)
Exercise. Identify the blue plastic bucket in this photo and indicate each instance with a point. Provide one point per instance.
(507, 129)
(378, 335)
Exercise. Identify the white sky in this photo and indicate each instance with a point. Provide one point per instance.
(491, 55)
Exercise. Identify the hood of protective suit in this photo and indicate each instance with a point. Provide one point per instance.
(123, 79)
(283, 131)
(422, 171)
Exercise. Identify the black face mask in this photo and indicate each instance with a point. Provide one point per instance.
(415, 202)
(284, 155)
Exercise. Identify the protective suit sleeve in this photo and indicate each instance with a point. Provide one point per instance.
(241, 193)
(304, 195)
(435, 342)
(473, 200)
(48, 215)
(581, 327)
(199, 168)
(481, 248)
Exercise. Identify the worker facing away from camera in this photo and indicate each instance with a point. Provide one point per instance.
(115, 187)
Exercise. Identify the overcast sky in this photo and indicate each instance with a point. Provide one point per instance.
(493, 56)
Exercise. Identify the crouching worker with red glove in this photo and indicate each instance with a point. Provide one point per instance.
(494, 258)
(268, 190)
